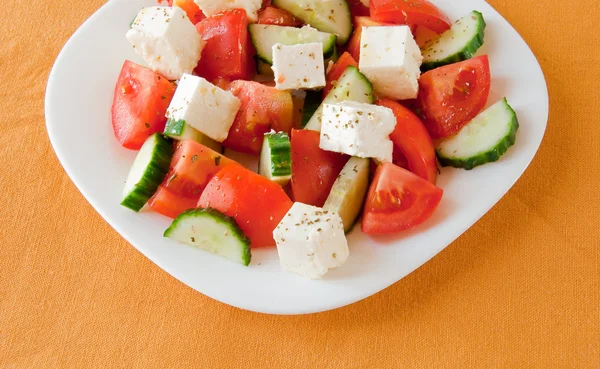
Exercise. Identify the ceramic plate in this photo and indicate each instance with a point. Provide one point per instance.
(78, 101)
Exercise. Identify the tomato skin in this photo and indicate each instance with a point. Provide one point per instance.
(190, 8)
(353, 45)
(358, 9)
(313, 170)
(228, 52)
(413, 140)
(279, 17)
(452, 95)
(169, 204)
(256, 204)
(398, 200)
(263, 108)
(337, 70)
(139, 105)
(411, 12)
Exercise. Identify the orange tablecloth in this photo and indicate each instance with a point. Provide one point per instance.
(521, 289)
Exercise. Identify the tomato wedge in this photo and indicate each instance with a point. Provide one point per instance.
(278, 17)
(413, 140)
(357, 8)
(169, 204)
(190, 8)
(256, 204)
(452, 95)
(139, 105)
(411, 12)
(313, 170)
(337, 70)
(398, 200)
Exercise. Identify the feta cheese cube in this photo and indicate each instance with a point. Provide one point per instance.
(310, 241)
(210, 7)
(391, 60)
(167, 40)
(299, 66)
(204, 106)
(358, 129)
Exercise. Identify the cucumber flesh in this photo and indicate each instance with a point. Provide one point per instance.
(459, 43)
(349, 191)
(331, 16)
(180, 130)
(265, 36)
(211, 231)
(147, 172)
(483, 140)
(352, 86)
(276, 158)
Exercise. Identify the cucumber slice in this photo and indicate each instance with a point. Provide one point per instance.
(212, 231)
(483, 140)
(147, 172)
(331, 16)
(264, 68)
(459, 43)
(265, 36)
(276, 158)
(349, 191)
(353, 86)
(180, 130)
(311, 104)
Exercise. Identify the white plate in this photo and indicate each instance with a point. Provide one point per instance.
(78, 100)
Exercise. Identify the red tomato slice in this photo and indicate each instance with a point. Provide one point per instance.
(139, 104)
(398, 200)
(190, 8)
(279, 17)
(413, 140)
(358, 9)
(263, 108)
(313, 170)
(411, 12)
(452, 95)
(169, 204)
(228, 52)
(256, 204)
(337, 70)
(353, 46)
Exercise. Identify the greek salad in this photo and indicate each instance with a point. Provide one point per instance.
(348, 106)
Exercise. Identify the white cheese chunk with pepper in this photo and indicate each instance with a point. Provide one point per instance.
(310, 241)
(211, 7)
(358, 129)
(299, 66)
(204, 106)
(391, 59)
(167, 40)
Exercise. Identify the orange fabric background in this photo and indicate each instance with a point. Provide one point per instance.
(521, 289)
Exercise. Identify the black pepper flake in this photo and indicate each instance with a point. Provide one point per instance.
(217, 161)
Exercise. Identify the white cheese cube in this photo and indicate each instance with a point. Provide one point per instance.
(310, 241)
(210, 7)
(298, 66)
(391, 60)
(167, 40)
(358, 129)
(204, 106)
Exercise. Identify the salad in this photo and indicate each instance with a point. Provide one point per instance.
(348, 106)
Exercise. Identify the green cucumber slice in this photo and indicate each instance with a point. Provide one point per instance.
(483, 140)
(264, 69)
(311, 105)
(276, 158)
(265, 36)
(180, 130)
(349, 191)
(147, 172)
(459, 43)
(211, 231)
(331, 16)
(353, 86)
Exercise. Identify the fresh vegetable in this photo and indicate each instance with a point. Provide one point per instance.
(278, 17)
(483, 140)
(411, 12)
(459, 43)
(358, 8)
(228, 51)
(314, 171)
(452, 95)
(413, 140)
(312, 101)
(139, 105)
(256, 203)
(398, 200)
(275, 158)
(149, 169)
(191, 9)
(348, 193)
(337, 70)
(263, 108)
(169, 204)
(212, 231)
(180, 130)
